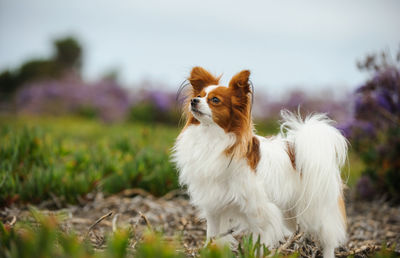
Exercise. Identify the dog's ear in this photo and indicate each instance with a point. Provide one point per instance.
(240, 82)
(200, 78)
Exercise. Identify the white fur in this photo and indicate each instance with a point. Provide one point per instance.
(267, 202)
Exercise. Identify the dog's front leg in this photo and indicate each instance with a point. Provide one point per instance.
(213, 225)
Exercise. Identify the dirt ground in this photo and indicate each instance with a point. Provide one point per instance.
(370, 224)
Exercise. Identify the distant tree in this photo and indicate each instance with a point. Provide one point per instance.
(38, 69)
(68, 53)
(8, 82)
(67, 57)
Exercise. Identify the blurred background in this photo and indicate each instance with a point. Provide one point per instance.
(88, 88)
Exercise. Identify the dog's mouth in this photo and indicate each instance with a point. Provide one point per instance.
(196, 111)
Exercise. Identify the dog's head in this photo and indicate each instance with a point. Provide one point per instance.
(226, 106)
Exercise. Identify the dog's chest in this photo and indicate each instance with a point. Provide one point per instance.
(199, 153)
(212, 178)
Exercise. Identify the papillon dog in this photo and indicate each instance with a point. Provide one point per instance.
(264, 186)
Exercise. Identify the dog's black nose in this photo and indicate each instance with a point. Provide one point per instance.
(194, 101)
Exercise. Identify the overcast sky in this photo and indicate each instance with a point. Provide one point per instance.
(284, 43)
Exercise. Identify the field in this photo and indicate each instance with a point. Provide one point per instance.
(75, 171)
(69, 158)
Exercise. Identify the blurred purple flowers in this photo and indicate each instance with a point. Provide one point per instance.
(365, 187)
(377, 101)
(322, 102)
(105, 99)
(162, 101)
(374, 129)
(108, 100)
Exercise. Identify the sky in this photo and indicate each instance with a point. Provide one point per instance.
(310, 44)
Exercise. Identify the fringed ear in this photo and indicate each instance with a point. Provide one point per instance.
(200, 78)
(240, 82)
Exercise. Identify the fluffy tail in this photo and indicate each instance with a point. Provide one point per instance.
(320, 152)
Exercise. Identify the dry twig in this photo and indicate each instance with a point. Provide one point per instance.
(98, 221)
(114, 222)
(289, 242)
(12, 222)
(146, 220)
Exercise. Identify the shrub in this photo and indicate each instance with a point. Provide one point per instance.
(375, 129)
(155, 107)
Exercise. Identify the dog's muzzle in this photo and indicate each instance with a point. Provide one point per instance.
(194, 102)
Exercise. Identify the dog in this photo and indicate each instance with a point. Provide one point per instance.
(262, 186)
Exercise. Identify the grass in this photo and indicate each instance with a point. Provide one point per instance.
(70, 157)
(44, 237)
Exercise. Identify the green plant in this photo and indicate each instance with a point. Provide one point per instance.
(68, 158)
(43, 239)
(154, 245)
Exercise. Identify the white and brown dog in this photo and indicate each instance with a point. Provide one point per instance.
(264, 186)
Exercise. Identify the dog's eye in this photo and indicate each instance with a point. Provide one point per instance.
(199, 96)
(215, 100)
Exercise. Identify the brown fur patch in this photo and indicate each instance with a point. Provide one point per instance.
(253, 153)
(342, 208)
(291, 153)
(200, 78)
(239, 119)
(241, 80)
(221, 111)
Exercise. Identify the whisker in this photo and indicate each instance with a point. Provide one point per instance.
(252, 95)
(183, 85)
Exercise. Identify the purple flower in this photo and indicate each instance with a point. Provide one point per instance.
(365, 126)
(108, 99)
(160, 99)
(384, 100)
(359, 103)
(346, 129)
(365, 188)
(295, 99)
